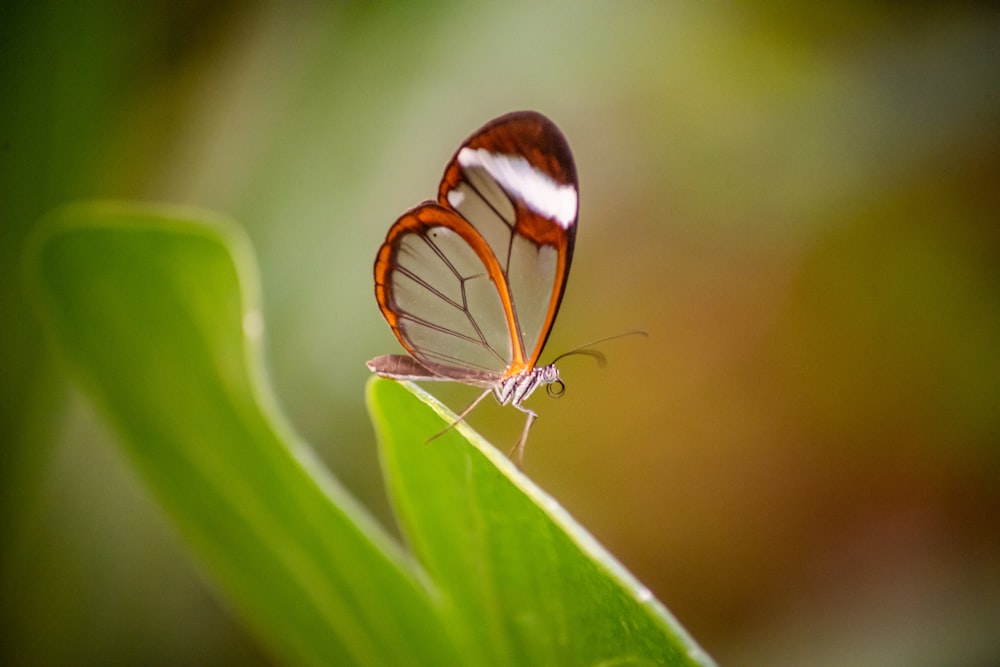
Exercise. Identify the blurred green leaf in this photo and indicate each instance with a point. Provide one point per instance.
(156, 312)
(520, 581)
(148, 308)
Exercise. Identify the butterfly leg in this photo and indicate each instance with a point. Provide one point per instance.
(461, 417)
(517, 453)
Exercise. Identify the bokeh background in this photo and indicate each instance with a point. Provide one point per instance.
(801, 205)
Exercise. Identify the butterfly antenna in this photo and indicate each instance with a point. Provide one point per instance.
(599, 356)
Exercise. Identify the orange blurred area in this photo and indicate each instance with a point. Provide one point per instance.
(800, 206)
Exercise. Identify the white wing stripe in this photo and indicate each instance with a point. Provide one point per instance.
(519, 179)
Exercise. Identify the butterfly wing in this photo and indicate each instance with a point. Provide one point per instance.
(471, 284)
(445, 297)
(515, 181)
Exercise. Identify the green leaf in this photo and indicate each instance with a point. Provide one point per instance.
(148, 308)
(521, 583)
(155, 310)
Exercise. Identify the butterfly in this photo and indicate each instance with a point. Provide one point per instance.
(471, 283)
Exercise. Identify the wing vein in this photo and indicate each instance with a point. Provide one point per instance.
(462, 280)
(509, 223)
(433, 290)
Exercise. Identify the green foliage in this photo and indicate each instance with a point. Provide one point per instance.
(156, 313)
(520, 581)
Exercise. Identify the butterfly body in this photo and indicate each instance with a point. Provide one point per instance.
(517, 388)
(471, 283)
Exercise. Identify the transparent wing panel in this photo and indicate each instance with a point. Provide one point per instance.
(449, 310)
(484, 204)
(532, 275)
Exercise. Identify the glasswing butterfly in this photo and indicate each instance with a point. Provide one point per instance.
(471, 283)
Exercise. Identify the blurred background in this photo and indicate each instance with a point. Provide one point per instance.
(800, 205)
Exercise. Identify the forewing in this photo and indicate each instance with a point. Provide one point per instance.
(444, 295)
(515, 182)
